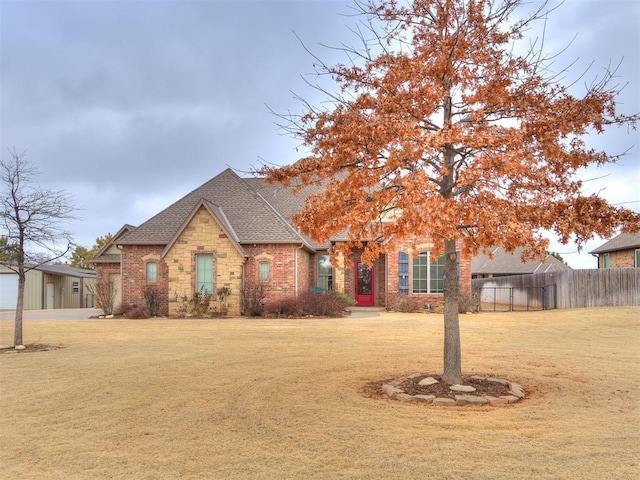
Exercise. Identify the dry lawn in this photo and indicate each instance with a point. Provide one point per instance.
(282, 399)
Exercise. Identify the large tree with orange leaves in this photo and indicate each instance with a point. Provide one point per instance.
(445, 127)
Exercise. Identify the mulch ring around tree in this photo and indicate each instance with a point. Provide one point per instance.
(430, 389)
(29, 348)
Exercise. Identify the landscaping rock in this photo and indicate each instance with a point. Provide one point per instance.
(391, 390)
(425, 382)
(501, 381)
(478, 378)
(495, 400)
(414, 375)
(462, 388)
(5, 347)
(470, 400)
(405, 397)
(425, 398)
(510, 398)
(516, 390)
(444, 401)
(20, 347)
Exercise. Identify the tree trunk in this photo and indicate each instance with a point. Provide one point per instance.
(17, 332)
(452, 373)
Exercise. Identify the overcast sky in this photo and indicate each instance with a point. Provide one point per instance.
(129, 105)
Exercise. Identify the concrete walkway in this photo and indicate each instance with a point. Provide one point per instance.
(365, 312)
(53, 314)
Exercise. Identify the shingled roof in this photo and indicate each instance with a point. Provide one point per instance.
(624, 241)
(250, 216)
(504, 263)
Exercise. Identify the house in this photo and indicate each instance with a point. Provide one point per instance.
(622, 251)
(502, 263)
(47, 287)
(232, 233)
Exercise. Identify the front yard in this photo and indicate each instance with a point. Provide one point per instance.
(286, 399)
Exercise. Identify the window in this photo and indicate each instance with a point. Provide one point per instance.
(325, 272)
(637, 265)
(152, 272)
(436, 276)
(606, 260)
(75, 287)
(204, 274)
(264, 272)
(428, 277)
(403, 273)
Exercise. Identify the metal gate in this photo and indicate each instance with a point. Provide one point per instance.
(517, 299)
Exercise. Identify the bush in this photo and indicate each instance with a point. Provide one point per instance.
(253, 298)
(320, 304)
(401, 302)
(283, 308)
(133, 311)
(152, 298)
(199, 305)
(468, 301)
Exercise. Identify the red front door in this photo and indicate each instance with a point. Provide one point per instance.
(364, 285)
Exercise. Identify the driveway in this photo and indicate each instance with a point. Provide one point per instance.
(53, 314)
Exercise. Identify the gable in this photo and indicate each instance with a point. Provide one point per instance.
(250, 216)
(206, 224)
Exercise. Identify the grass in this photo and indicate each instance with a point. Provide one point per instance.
(282, 399)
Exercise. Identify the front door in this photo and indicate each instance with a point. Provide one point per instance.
(364, 285)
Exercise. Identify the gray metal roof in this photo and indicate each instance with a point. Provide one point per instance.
(624, 241)
(66, 270)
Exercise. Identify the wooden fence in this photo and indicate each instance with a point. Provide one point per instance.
(573, 288)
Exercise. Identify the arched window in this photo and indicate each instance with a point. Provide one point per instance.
(264, 272)
(152, 272)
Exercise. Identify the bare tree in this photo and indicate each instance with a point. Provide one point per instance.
(32, 219)
(105, 292)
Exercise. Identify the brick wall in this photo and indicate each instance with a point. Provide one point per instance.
(286, 260)
(134, 275)
(619, 259)
(434, 299)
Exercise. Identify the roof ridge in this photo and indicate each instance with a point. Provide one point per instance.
(271, 207)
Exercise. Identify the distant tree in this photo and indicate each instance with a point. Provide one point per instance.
(557, 256)
(8, 251)
(81, 256)
(442, 125)
(32, 220)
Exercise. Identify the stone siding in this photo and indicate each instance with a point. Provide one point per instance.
(203, 235)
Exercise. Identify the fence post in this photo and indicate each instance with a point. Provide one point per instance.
(511, 299)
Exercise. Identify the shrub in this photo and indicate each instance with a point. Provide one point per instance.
(137, 313)
(323, 304)
(199, 305)
(400, 302)
(128, 310)
(253, 298)
(348, 300)
(152, 298)
(105, 293)
(468, 301)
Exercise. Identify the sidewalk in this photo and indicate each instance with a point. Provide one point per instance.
(53, 314)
